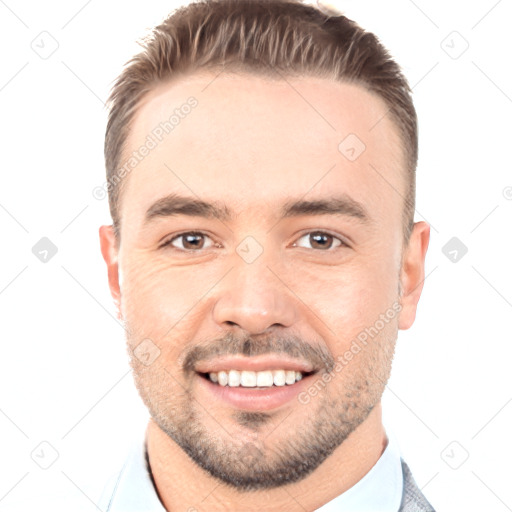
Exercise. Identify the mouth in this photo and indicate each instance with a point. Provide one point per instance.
(253, 383)
(255, 379)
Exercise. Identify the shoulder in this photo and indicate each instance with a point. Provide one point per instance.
(412, 498)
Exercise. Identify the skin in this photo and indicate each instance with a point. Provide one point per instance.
(252, 144)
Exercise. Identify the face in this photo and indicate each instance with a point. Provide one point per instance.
(254, 243)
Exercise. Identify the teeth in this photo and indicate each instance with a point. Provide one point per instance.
(223, 378)
(233, 378)
(290, 377)
(248, 379)
(264, 379)
(279, 378)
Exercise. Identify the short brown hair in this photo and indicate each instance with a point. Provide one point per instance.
(263, 37)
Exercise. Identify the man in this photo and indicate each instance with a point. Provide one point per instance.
(263, 256)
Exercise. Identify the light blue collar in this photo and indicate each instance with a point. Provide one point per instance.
(380, 490)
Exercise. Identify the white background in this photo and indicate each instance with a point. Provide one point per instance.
(64, 375)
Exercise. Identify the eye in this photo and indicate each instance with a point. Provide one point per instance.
(190, 241)
(320, 240)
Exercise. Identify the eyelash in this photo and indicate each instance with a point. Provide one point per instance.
(168, 243)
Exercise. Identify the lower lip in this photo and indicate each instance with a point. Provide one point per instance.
(254, 399)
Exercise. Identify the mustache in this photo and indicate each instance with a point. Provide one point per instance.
(231, 344)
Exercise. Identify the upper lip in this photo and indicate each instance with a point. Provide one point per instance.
(255, 364)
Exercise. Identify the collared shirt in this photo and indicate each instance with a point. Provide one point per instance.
(380, 490)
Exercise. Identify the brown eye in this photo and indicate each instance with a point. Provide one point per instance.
(190, 241)
(320, 240)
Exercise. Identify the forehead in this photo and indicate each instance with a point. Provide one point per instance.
(251, 141)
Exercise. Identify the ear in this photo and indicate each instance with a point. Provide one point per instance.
(109, 250)
(412, 273)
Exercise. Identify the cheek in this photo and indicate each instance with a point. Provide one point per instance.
(350, 297)
(157, 297)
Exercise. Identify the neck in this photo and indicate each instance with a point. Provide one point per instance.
(183, 485)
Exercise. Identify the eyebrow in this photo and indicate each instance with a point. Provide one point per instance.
(174, 204)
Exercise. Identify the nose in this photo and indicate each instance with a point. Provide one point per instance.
(255, 298)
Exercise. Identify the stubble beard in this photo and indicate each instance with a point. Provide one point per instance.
(278, 458)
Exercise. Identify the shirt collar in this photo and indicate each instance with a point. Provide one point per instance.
(133, 490)
(379, 490)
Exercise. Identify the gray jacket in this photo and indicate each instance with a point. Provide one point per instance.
(412, 498)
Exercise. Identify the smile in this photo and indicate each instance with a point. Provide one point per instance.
(249, 391)
(252, 379)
